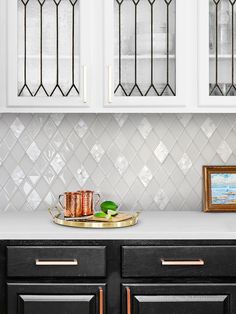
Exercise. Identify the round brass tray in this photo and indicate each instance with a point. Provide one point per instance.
(58, 218)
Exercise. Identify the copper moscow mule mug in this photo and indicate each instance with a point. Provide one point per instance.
(78, 204)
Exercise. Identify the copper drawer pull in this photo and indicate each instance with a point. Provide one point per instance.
(128, 300)
(101, 297)
(197, 262)
(71, 262)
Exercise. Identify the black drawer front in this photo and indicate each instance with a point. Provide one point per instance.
(56, 261)
(178, 261)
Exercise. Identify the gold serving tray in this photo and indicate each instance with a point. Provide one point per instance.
(58, 219)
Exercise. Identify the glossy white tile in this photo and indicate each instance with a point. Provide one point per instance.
(151, 161)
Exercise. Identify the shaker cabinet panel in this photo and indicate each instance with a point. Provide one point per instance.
(179, 298)
(59, 304)
(55, 298)
(180, 304)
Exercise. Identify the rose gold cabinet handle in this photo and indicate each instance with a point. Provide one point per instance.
(198, 262)
(101, 298)
(128, 300)
(71, 262)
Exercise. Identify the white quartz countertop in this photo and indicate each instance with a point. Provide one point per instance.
(151, 225)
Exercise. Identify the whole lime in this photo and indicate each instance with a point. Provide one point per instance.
(108, 205)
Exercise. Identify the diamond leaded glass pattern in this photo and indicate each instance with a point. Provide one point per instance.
(145, 47)
(48, 48)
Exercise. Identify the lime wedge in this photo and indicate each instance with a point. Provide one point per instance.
(100, 215)
(112, 212)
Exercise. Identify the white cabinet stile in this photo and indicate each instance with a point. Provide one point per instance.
(3, 74)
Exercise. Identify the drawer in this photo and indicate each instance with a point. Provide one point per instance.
(56, 261)
(178, 261)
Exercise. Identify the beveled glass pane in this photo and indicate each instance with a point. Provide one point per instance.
(48, 48)
(222, 37)
(144, 52)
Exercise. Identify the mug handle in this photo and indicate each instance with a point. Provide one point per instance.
(59, 200)
(98, 199)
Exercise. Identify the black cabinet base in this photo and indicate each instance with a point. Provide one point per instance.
(114, 267)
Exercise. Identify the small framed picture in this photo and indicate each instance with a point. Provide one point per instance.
(219, 188)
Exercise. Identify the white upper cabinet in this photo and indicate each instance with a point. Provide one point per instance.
(3, 51)
(217, 55)
(147, 56)
(48, 59)
(118, 55)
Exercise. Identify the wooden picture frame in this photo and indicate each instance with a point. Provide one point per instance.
(219, 188)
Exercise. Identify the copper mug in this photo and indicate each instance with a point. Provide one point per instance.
(78, 204)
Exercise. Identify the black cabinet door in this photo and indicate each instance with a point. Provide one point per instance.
(179, 299)
(60, 304)
(180, 304)
(33, 298)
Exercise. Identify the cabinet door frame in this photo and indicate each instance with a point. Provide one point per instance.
(185, 65)
(3, 55)
(172, 289)
(48, 104)
(16, 289)
(216, 103)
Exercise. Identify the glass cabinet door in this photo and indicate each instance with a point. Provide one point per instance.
(47, 50)
(142, 59)
(3, 55)
(217, 38)
(55, 298)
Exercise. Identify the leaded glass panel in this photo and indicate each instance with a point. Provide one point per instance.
(48, 47)
(222, 37)
(145, 53)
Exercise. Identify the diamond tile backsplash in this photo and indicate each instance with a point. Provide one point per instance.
(143, 162)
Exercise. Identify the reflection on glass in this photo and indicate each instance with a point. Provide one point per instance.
(145, 47)
(48, 48)
(222, 48)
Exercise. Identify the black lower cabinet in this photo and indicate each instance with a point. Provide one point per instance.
(55, 298)
(117, 277)
(179, 298)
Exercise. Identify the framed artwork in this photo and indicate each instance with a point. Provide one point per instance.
(219, 188)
